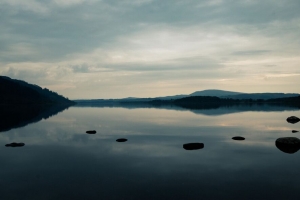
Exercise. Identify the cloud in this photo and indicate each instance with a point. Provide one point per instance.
(80, 69)
(68, 2)
(28, 5)
(165, 46)
(251, 53)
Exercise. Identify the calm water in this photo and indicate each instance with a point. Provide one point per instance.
(60, 161)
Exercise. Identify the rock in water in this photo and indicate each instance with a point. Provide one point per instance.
(294, 131)
(121, 140)
(238, 138)
(293, 120)
(15, 144)
(193, 146)
(91, 132)
(288, 144)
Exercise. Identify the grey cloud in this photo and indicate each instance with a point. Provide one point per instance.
(178, 64)
(80, 69)
(21, 73)
(83, 27)
(251, 53)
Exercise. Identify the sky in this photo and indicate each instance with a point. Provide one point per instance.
(89, 49)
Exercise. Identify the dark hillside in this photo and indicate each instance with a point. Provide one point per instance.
(198, 102)
(19, 92)
(292, 101)
(264, 96)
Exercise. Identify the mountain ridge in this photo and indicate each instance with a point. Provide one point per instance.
(214, 92)
(211, 92)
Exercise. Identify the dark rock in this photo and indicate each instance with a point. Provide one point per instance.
(91, 132)
(288, 144)
(294, 131)
(121, 140)
(293, 120)
(238, 138)
(15, 144)
(193, 146)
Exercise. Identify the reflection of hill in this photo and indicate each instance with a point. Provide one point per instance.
(129, 105)
(222, 110)
(16, 116)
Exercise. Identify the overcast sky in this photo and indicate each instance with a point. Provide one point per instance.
(147, 48)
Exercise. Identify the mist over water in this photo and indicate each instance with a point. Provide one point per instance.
(61, 161)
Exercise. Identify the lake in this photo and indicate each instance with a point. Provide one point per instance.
(61, 161)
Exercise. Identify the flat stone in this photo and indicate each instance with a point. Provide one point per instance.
(293, 120)
(91, 132)
(15, 144)
(288, 145)
(193, 146)
(238, 138)
(121, 140)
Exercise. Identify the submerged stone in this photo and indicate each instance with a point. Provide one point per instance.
(15, 144)
(121, 140)
(292, 119)
(193, 146)
(288, 144)
(238, 138)
(294, 131)
(91, 132)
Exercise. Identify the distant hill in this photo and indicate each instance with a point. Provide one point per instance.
(200, 102)
(196, 102)
(264, 96)
(240, 95)
(230, 95)
(208, 102)
(14, 91)
(295, 101)
(204, 93)
(215, 93)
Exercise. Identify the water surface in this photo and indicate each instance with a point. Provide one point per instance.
(60, 161)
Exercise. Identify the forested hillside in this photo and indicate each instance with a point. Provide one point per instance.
(19, 92)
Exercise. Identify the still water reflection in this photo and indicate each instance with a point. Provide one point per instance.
(61, 161)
